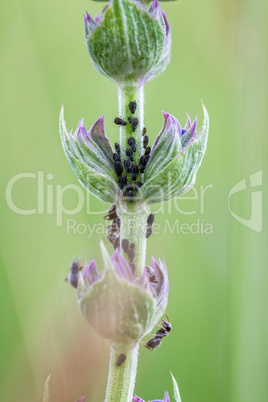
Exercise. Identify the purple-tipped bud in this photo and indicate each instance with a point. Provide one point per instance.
(166, 398)
(119, 306)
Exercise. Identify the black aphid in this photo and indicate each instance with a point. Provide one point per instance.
(131, 142)
(132, 246)
(145, 141)
(118, 168)
(134, 124)
(122, 181)
(127, 165)
(120, 122)
(144, 131)
(150, 219)
(132, 107)
(130, 254)
(125, 244)
(121, 359)
(129, 119)
(116, 157)
(117, 148)
(129, 154)
(142, 163)
(147, 151)
(149, 231)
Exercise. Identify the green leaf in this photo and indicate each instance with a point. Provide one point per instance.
(46, 389)
(176, 389)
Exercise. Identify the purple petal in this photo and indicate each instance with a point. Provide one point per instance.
(81, 399)
(121, 266)
(155, 8)
(91, 274)
(137, 399)
(97, 134)
(188, 122)
(189, 135)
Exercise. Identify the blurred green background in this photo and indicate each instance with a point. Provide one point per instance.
(217, 350)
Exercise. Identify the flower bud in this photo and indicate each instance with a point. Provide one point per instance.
(118, 306)
(129, 41)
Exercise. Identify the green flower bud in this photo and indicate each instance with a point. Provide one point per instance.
(118, 306)
(129, 41)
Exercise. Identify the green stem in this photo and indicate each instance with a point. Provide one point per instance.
(121, 378)
(131, 92)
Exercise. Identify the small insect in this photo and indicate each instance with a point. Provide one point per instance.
(142, 163)
(134, 168)
(132, 246)
(134, 124)
(147, 151)
(118, 168)
(129, 119)
(73, 276)
(127, 165)
(122, 181)
(144, 131)
(111, 213)
(145, 141)
(132, 107)
(130, 254)
(117, 148)
(116, 157)
(150, 219)
(129, 154)
(131, 142)
(121, 359)
(125, 244)
(120, 122)
(156, 340)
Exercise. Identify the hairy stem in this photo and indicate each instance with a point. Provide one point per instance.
(121, 378)
(131, 92)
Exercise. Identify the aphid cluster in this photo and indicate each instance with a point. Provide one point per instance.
(156, 340)
(150, 222)
(113, 230)
(73, 276)
(128, 180)
(129, 250)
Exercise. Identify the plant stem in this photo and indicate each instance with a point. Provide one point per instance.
(121, 378)
(131, 92)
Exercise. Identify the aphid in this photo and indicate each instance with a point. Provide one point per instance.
(129, 119)
(134, 124)
(122, 181)
(134, 168)
(132, 246)
(132, 107)
(116, 157)
(73, 276)
(130, 254)
(145, 141)
(118, 168)
(131, 142)
(149, 231)
(120, 122)
(111, 213)
(129, 154)
(125, 244)
(117, 148)
(150, 219)
(147, 151)
(127, 165)
(144, 131)
(142, 163)
(121, 359)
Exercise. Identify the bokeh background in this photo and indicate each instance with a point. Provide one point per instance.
(218, 281)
